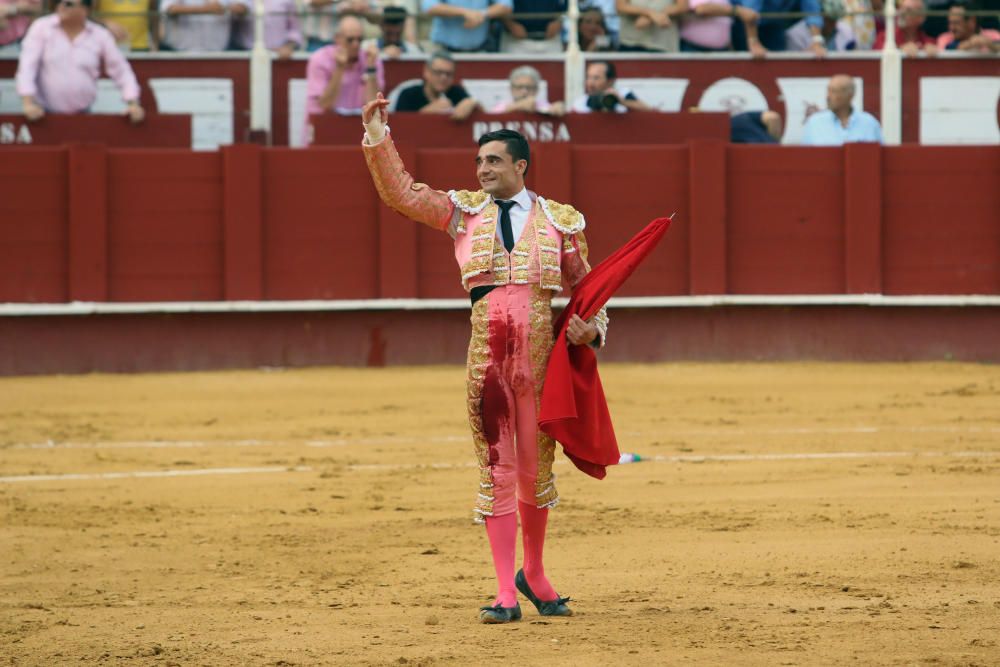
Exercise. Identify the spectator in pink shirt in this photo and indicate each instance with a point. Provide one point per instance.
(525, 94)
(708, 26)
(15, 16)
(60, 62)
(341, 77)
(282, 29)
(964, 33)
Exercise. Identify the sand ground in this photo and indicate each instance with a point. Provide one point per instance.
(792, 514)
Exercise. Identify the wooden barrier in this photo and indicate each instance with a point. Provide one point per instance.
(436, 131)
(155, 131)
(89, 223)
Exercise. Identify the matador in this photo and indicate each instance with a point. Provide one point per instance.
(514, 249)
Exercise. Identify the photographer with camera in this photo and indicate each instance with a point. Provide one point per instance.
(601, 94)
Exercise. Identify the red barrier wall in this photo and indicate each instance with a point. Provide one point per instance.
(438, 131)
(92, 224)
(199, 341)
(34, 229)
(155, 131)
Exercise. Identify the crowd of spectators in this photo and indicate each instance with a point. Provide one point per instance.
(531, 27)
(62, 54)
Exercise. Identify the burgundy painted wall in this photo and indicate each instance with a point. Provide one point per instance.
(94, 224)
(184, 342)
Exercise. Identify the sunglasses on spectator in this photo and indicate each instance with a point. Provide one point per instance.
(71, 3)
(443, 72)
(351, 40)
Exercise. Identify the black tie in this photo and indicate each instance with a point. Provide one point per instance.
(505, 227)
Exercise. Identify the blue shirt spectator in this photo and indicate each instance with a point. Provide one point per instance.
(765, 6)
(463, 25)
(825, 129)
(771, 31)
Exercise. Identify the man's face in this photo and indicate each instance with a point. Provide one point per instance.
(911, 14)
(959, 25)
(838, 94)
(439, 75)
(497, 172)
(522, 87)
(348, 38)
(597, 78)
(392, 34)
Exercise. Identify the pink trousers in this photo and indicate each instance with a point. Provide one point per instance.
(508, 351)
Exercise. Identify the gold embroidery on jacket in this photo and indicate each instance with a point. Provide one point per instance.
(540, 345)
(477, 362)
(563, 217)
(483, 244)
(469, 201)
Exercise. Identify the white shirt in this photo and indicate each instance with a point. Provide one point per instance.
(519, 213)
(195, 32)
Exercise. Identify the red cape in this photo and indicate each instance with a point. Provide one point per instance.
(574, 411)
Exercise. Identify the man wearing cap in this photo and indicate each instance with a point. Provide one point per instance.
(60, 63)
(514, 248)
(392, 43)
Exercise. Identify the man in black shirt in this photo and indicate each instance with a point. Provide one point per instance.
(439, 93)
(755, 127)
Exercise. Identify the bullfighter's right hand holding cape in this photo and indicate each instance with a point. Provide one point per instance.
(573, 408)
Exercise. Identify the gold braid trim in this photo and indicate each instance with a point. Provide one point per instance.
(563, 217)
(477, 362)
(540, 345)
(469, 201)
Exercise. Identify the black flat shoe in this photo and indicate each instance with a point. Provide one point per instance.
(500, 614)
(555, 607)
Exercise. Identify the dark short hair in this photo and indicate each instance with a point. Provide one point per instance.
(516, 144)
(609, 68)
(394, 15)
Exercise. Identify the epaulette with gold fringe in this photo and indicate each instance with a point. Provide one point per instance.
(469, 201)
(563, 217)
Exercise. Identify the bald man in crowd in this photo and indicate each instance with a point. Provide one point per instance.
(840, 123)
(341, 77)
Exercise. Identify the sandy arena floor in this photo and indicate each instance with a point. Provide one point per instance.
(795, 514)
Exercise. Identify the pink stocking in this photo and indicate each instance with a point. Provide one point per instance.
(533, 522)
(502, 531)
